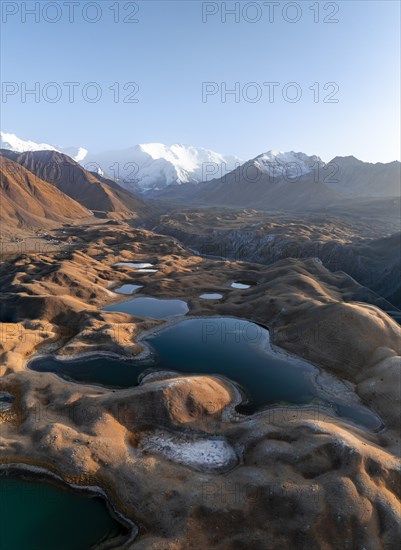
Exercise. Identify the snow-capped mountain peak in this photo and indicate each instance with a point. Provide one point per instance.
(149, 167)
(289, 164)
(154, 166)
(144, 167)
(14, 143)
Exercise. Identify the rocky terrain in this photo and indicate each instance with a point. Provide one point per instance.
(172, 454)
(362, 241)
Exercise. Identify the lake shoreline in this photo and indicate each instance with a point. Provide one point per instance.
(324, 383)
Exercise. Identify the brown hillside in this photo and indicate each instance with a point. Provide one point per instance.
(28, 202)
(93, 192)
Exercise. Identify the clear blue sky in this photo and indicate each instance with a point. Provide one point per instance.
(170, 52)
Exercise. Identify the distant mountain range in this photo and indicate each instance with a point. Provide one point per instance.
(143, 168)
(273, 180)
(276, 179)
(292, 182)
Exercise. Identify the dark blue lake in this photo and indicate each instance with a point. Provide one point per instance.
(237, 349)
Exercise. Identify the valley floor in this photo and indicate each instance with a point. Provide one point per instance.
(288, 478)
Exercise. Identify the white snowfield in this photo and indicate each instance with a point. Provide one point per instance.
(206, 454)
(13, 143)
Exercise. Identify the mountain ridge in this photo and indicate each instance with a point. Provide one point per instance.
(158, 169)
(90, 190)
(28, 202)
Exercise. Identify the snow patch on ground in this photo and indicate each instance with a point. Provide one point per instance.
(206, 454)
(144, 267)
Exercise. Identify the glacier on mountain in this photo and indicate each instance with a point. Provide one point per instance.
(154, 166)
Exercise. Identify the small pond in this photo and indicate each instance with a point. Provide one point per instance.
(6, 402)
(211, 296)
(243, 285)
(153, 308)
(127, 289)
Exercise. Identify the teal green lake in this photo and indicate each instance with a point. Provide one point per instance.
(37, 515)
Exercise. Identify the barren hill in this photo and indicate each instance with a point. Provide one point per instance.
(28, 202)
(90, 190)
